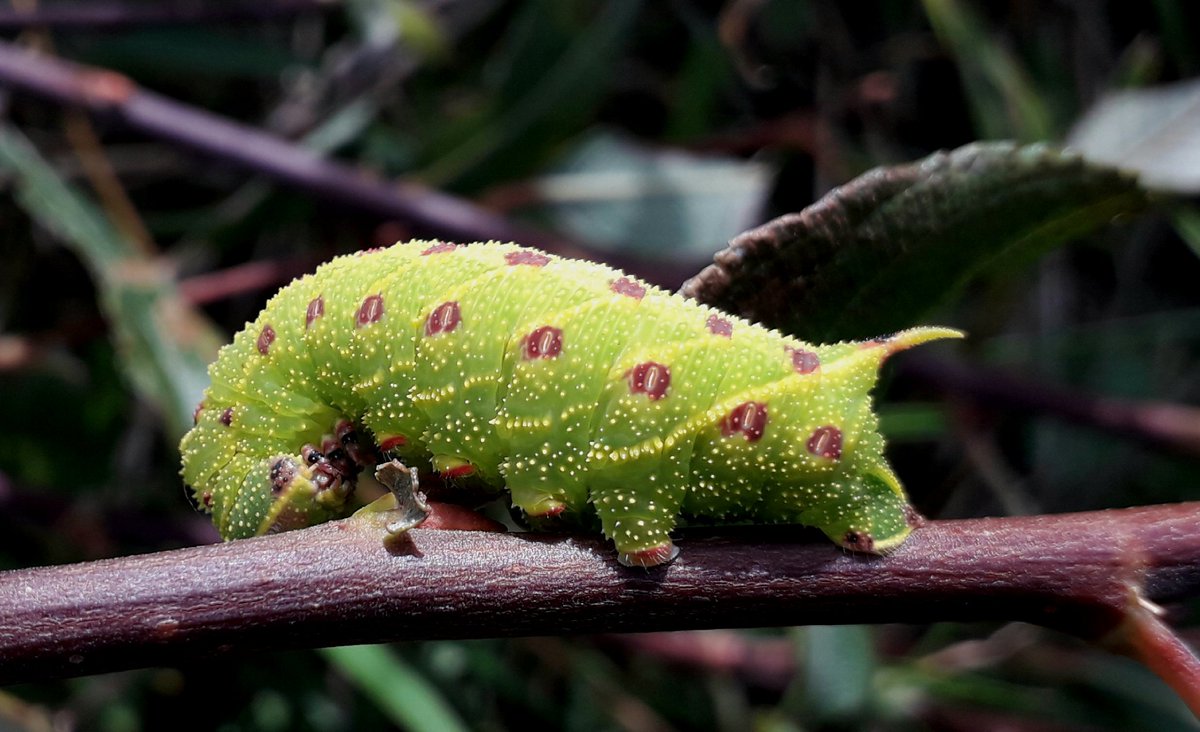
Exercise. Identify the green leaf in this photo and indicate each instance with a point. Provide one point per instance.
(879, 253)
(397, 689)
(1187, 224)
(1154, 132)
(1002, 95)
(165, 346)
(547, 98)
(839, 663)
(623, 196)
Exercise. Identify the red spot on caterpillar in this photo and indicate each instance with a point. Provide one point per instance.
(533, 259)
(265, 339)
(196, 413)
(649, 378)
(227, 416)
(444, 319)
(719, 326)
(370, 311)
(826, 442)
(393, 441)
(440, 248)
(628, 287)
(372, 250)
(316, 309)
(544, 342)
(206, 499)
(803, 362)
(747, 418)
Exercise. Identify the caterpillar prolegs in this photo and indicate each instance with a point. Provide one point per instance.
(577, 388)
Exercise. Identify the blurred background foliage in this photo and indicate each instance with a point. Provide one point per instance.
(648, 133)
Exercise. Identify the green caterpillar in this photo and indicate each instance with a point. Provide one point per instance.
(584, 392)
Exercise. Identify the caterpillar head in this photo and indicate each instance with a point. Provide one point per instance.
(309, 490)
(292, 491)
(286, 492)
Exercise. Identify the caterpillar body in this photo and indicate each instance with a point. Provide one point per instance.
(582, 391)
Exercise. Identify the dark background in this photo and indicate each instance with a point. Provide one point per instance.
(647, 134)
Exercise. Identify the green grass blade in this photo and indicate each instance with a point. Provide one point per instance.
(165, 346)
(1002, 96)
(397, 689)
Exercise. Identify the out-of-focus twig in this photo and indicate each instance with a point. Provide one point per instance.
(1171, 426)
(627, 710)
(105, 15)
(18, 352)
(767, 662)
(240, 279)
(1146, 637)
(111, 94)
(340, 583)
(99, 171)
(425, 211)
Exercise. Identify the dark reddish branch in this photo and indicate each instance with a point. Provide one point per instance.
(1147, 638)
(337, 584)
(96, 15)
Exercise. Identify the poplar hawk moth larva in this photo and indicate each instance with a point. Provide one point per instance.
(582, 391)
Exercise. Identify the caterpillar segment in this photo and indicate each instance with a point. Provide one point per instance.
(585, 393)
